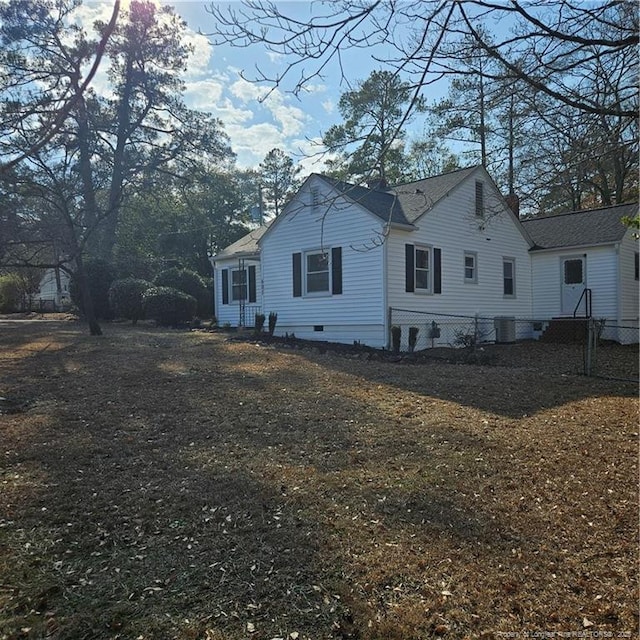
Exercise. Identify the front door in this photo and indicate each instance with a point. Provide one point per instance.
(574, 282)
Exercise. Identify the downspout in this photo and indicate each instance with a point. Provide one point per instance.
(214, 292)
(385, 288)
(618, 287)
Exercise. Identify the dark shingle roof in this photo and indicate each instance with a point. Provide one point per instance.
(246, 246)
(405, 203)
(580, 228)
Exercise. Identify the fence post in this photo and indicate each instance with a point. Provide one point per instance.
(590, 347)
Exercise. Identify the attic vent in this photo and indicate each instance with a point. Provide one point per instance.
(479, 198)
(315, 197)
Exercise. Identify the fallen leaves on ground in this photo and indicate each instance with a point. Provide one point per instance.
(165, 484)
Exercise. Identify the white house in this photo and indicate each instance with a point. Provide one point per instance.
(586, 263)
(53, 291)
(238, 281)
(340, 256)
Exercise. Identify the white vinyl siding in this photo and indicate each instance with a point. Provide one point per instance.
(358, 313)
(230, 312)
(601, 273)
(453, 227)
(628, 277)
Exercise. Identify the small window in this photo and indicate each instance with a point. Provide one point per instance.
(423, 269)
(470, 266)
(479, 198)
(317, 274)
(573, 271)
(509, 277)
(239, 284)
(636, 266)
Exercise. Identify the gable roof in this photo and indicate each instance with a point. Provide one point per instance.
(246, 247)
(405, 203)
(580, 228)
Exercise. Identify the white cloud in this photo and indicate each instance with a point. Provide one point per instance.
(200, 57)
(247, 91)
(329, 106)
(310, 154)
(251, 144)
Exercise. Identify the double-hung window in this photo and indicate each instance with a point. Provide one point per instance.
(509, 277)
(470, 266)
(238, 284)
(317, 272)
(423, 269)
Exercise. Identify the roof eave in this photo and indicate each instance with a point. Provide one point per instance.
(234, 256)
(401, 226)
(575, 247)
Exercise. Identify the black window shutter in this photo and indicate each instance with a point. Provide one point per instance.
(252, 283)
(437, 271)
(336, 270)
(297, 275)
(225, 286)
(410, 272)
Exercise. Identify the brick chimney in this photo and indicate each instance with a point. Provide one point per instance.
(377, 184)
(514, 203)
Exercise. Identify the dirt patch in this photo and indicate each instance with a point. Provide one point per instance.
(166, 484)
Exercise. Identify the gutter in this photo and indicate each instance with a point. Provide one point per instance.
(234, 256)
(574, 247)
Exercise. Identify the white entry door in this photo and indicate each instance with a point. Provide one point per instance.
(574, 282)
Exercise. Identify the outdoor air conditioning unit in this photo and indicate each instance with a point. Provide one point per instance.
(505, 327)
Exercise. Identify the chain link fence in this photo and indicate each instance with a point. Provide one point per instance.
(567, 345)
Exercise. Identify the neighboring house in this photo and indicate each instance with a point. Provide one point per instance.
(53, 292)
(237, 281)
(339, 257)
(587, 250)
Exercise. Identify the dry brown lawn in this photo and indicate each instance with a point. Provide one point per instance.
(162, 484)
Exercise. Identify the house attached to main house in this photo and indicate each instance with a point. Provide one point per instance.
(585, 263)
(340, 256)
(238, 281)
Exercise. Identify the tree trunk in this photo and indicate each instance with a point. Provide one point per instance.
(117, 174)
(87, 302)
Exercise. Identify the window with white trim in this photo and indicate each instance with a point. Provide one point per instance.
(509, 277)
(470, 266)
(423, 268)
(238, 284)
(317, 272)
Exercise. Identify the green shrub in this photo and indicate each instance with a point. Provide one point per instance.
(125, 298)
(100, 275)
(11, 292)
(191, 283)
(167, 306)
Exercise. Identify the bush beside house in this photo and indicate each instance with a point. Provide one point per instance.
(125, 298)
(190, 283)
(168, 306)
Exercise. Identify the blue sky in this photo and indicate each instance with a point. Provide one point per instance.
(294, 124)
(214, 84)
